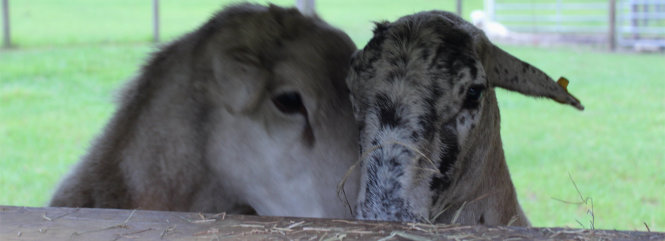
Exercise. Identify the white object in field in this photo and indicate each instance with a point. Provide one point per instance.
(491, 28)
(306, 7)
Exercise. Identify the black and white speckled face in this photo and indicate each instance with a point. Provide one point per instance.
(419, 91)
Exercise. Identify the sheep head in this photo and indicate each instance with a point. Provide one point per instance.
(423, 95)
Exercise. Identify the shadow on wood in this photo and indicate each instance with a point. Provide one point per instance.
(21, 223)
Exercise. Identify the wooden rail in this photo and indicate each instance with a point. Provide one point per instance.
(22, 223)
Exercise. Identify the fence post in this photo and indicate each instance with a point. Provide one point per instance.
(646, 14)
(155, 21)
(634, 18)
(558, 15)
(613, 26)
(489, 9)
(459, 8)
(6, 37)
(306, 7)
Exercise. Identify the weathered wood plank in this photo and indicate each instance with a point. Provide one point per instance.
(21, 223)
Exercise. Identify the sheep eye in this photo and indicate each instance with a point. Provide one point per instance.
(474, 92)
(289, 102)
(473, 95)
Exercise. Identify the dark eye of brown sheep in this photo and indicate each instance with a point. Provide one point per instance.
(289, 103)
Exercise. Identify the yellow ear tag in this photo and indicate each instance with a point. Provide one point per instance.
(563, 82)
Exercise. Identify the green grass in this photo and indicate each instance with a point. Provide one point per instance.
(56, 92)
(52, 102)
(614, 150)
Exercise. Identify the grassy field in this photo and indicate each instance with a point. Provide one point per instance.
(614, 150)
(56, 92)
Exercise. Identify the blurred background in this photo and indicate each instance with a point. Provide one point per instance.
(602, 168)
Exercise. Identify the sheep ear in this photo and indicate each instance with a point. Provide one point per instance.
(508, 72)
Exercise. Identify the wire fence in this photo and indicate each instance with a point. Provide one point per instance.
(626, 22)
(641, 22)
